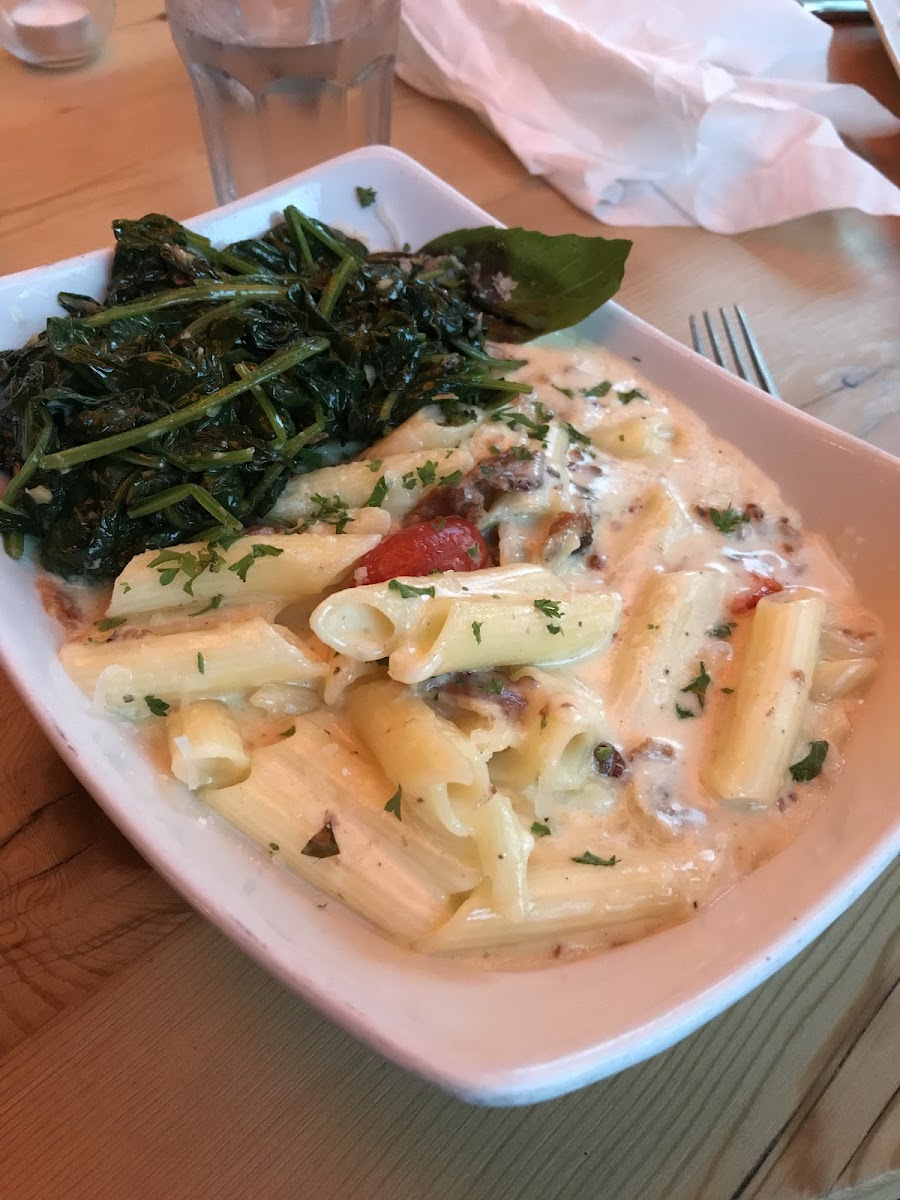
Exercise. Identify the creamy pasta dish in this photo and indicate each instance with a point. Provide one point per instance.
(544, 680)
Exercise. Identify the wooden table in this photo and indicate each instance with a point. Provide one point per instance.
(144, 1057)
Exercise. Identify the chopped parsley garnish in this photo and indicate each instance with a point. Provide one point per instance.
(543, 720)
(575, 435)
(554, 628)
(472, 552)
(273, 846)
(808, 768)
(366, 196)
(593, 860)
(452, 479)
(427, 473)
(493, 685)
(634, 393)
(621, 437)
(201, 663)
(379, 491)
(600, 389)
(158, 707)
(521, 453)
(330, 510)
(393, 805)
(375, 464)
(699, 684)
(539, 829)
(214, 603)
(407, 591)
(110, 623)
(289, 732)
(409, 480)
(564, 391)
(126, 587)
(683, 713)
(727, 520)
(724, 630)
(550, 608)
(728, 691)
(168, 564)
(653, 627)
(439, 523)
(476, 631)
(258, 550)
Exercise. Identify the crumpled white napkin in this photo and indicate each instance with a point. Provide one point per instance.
(658, 112)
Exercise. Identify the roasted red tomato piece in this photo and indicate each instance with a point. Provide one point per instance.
(745, 602)
(441, 544)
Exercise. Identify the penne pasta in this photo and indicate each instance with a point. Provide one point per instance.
(503, 848)
(474, 632)
(369, 622)
(436, 766)
(750, 760)
(125, 675)
(252, 568)
(206, 746)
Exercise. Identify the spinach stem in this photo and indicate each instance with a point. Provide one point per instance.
(505, 364)
(31, 463)
(214, 314)
(298, 237)
(199, 293)
(336, 285)
(205, 406)
(279, 430)
(304, 437)
(14, 543)
(185, 491)
(303, 222)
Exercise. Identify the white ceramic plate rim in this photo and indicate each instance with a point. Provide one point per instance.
(500, 1037)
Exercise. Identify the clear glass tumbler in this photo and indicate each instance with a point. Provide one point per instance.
(55, 33)
(284, 84)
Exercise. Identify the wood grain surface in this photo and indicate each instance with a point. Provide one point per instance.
(142, 1056)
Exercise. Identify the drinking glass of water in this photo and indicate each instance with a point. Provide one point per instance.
(284, 84)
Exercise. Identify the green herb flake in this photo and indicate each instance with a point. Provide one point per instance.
(575, 435)
(472, 552)
(407, 591)
(427, 473)
(593, 860)
(699, 684)
(409, 480)
(158, 707)
(808, 768)
(393, 805)
(366, 196)
(621, 437)
(201, 663)
(653, 627)
(110, 623)
(727, 520)
(125, 586)
(379, 491)
(494, 685)
(330, 510)
(452, 479)
(273, 846)
(374, 464)
(289, 732)
(521, 453)
(214, 603)
(543, 720)
(550, 608)
(564, 391)
(683, 713)
(539, 829)
(554, 628)
(257, 550)
(728, 691)
(599, 390)
(724, 630)
(634, 393)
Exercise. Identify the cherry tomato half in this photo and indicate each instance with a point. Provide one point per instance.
(745, 602)
(441, 544)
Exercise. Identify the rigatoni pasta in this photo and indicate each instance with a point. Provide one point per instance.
(539, 681)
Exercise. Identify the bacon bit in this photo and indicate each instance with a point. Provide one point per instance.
(597, 562)
(745, 602)
(60, 605)
(753, 512)
(564, 527)
(473, 496)
(654, 748)
(477, 685)
(608, 761)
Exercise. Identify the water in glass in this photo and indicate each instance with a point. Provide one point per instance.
(284, 84)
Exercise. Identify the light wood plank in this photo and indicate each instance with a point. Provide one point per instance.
(195, 1076)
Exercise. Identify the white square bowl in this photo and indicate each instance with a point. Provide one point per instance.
(498, 1037)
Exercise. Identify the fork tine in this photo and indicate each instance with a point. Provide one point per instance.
(696, 339)
(765, 377)
(713, 340)
(740, 364)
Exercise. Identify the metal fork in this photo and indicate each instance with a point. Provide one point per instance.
(763, 374)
